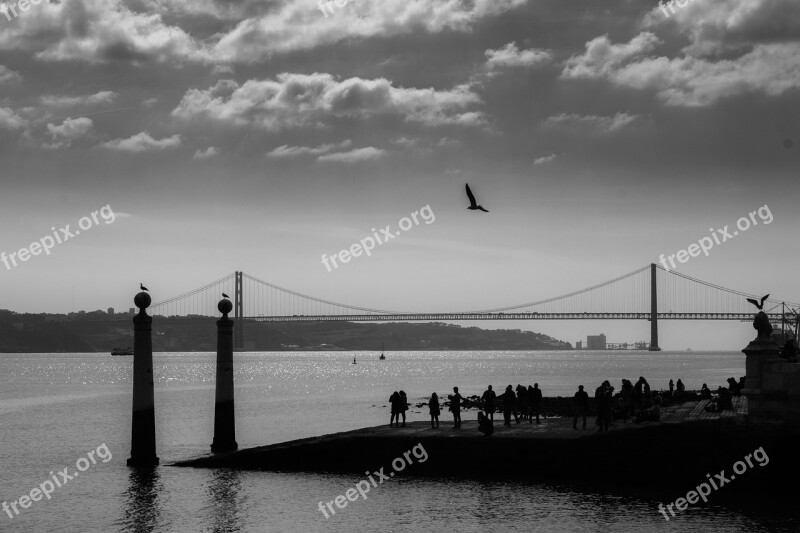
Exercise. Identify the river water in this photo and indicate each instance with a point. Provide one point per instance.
(56, 408)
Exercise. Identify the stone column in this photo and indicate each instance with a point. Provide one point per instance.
(143, 424)
(224, 421)
(760, 350)
(763, 401)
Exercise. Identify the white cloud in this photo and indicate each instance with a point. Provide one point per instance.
(10, 120)
(736, 47)
(102, 97)
(310, 99)
(446, 142)
(731, 25)
(69, 131)
(99, 31)
(771, 69)
(545, 159)
(143, 142)
(295, 25)
(8, 76)
(221, 69)
(602, 58)
(286, 151)
(354, 156)
(150, 102)
(511, 56)
(591, 122)
(405, 142)
(211, 151)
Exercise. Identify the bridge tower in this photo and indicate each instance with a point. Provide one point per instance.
(653, 310)
(238, 326)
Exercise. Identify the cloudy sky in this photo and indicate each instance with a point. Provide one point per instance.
(258, 135)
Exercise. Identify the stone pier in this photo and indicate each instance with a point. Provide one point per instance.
(143, 423)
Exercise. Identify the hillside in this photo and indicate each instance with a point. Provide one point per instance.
(99, 332)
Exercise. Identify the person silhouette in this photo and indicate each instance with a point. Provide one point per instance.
(523, 402)
(536, 402)
(394, 401)
(433, 404)
(705, 392)
(403, 407)
(581, 405)
(509, 401)
(455, 407)
(485, 425)
(489, 402)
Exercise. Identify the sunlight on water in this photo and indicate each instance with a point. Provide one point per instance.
(61, 405)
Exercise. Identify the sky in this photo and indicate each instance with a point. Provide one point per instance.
(260, 135)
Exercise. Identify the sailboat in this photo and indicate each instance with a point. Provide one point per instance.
(382, 357)
(354, 360)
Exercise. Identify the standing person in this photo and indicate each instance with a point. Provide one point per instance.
(638, 392)
(509, 401)
(536, 402)
(600, 403)
(671, 387)
(455, 407)
(679, 389)
(608, 405)
(489, 402)
(522, 401)
(581, 406)
(403, 407)
(394, 401)
(627, 399)
(530, 403)
(434, 407)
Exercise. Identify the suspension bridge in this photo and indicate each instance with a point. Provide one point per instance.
(637, 295)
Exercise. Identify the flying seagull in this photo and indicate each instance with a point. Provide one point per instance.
(472, 204)
(225, 295)
(756, 303)
(142, 287)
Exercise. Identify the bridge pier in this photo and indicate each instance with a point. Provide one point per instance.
(653, 310)
(238, 324)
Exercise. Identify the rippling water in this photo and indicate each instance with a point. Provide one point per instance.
(55, 408)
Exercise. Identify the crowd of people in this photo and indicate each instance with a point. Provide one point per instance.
(633, 402)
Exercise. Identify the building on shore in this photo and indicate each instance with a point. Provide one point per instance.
(596, 342)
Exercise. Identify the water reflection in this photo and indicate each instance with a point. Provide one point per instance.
(142, 512)
(223, 495)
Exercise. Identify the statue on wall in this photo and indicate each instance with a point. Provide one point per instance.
(761, 320)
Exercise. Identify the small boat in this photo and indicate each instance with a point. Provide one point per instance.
(120, 351)
(382, 357)
(354, 361)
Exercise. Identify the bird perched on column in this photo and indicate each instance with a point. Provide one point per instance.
(142, 287)
(761, 321)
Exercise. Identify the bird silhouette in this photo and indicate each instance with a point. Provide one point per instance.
(756, 302)
(142, 287)
(225, 295)
(473, 205)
